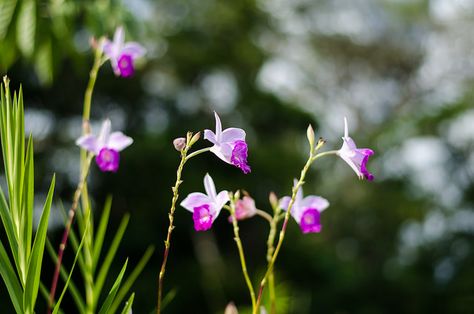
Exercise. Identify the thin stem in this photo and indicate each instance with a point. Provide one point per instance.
(241, 252)
(90, 88)
(327, 153)
(264, 215)
(199, 151)
(170, 226)
(270, 250)
(311, 159)
(71, 214)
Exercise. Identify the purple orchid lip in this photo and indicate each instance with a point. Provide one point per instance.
(310, 221)
(106, 146)
(229, 145)
(108, 160)
(306, 210)
(239, 156)
(202, 217)
(125, 65)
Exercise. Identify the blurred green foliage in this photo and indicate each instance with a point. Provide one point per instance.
(401, 71)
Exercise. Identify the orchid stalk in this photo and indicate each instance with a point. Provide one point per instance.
(271, 248)
(240, 248)
(312, 157)
(189, 141)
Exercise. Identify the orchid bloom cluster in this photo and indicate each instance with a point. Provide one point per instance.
(230, 146)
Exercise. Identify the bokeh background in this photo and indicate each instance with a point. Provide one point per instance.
(402, 71)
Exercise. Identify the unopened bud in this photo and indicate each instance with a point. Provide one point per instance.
(310, 135)
(231, 309)
(195, 138)
(321, 142)
(273, 200)
(179, 143)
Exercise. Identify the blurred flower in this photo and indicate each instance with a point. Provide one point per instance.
(122, 54)
(244, 208)
(355, 157)
(306, 211)
(205, 207)
(229, 145)
(106, 146)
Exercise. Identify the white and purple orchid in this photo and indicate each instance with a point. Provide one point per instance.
(229, 145)
(205, 207)
(306, 211)
(106, 146)
(355, 157)
(122, 54)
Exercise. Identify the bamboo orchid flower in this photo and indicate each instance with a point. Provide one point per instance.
(229, 145)
(106, 146)
(356, 158)
(306, 211)
(205, 207)
(122, 54)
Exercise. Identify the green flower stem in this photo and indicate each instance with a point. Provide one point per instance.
(264, 215)
(311, 159)
(90, 88)
(199, 151)
(270, 250)
(241, 251)
(184, 159)
(71, 214)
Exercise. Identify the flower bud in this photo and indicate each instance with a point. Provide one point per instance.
(195, 138)
(179, 143)
(273, 200)
(231, 309)
(244, 208)
(310, 135)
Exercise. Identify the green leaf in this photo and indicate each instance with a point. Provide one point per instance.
(78, 251)
(26, 27)
(131, 279)
(111, 296)
(8, 225)
(99, 239)
(128, 305)
(28, 195)
(110, 255)
(10, 279)
(7, 7)
(36, 258)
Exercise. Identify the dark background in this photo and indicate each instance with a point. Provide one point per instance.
(401, 71)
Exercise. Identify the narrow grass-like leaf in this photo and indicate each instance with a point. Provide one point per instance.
(76, 295)
(78, 252)
(168, 298)
(127, 309)
(101, 230)
(36, 258)
(10, 279)
(111, 296)
(131, 279)
(28, 195)
(45, 292)
(110, 255)
(26, 27)
(7, 7)
(9, 227)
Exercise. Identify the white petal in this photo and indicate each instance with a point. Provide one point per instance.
(209, 186)
(119, 141)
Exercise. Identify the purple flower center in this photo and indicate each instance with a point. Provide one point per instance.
(363, 165)
(202, 218)
(125, 65)
(239, 156)
(310, 221)
(108, 159)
